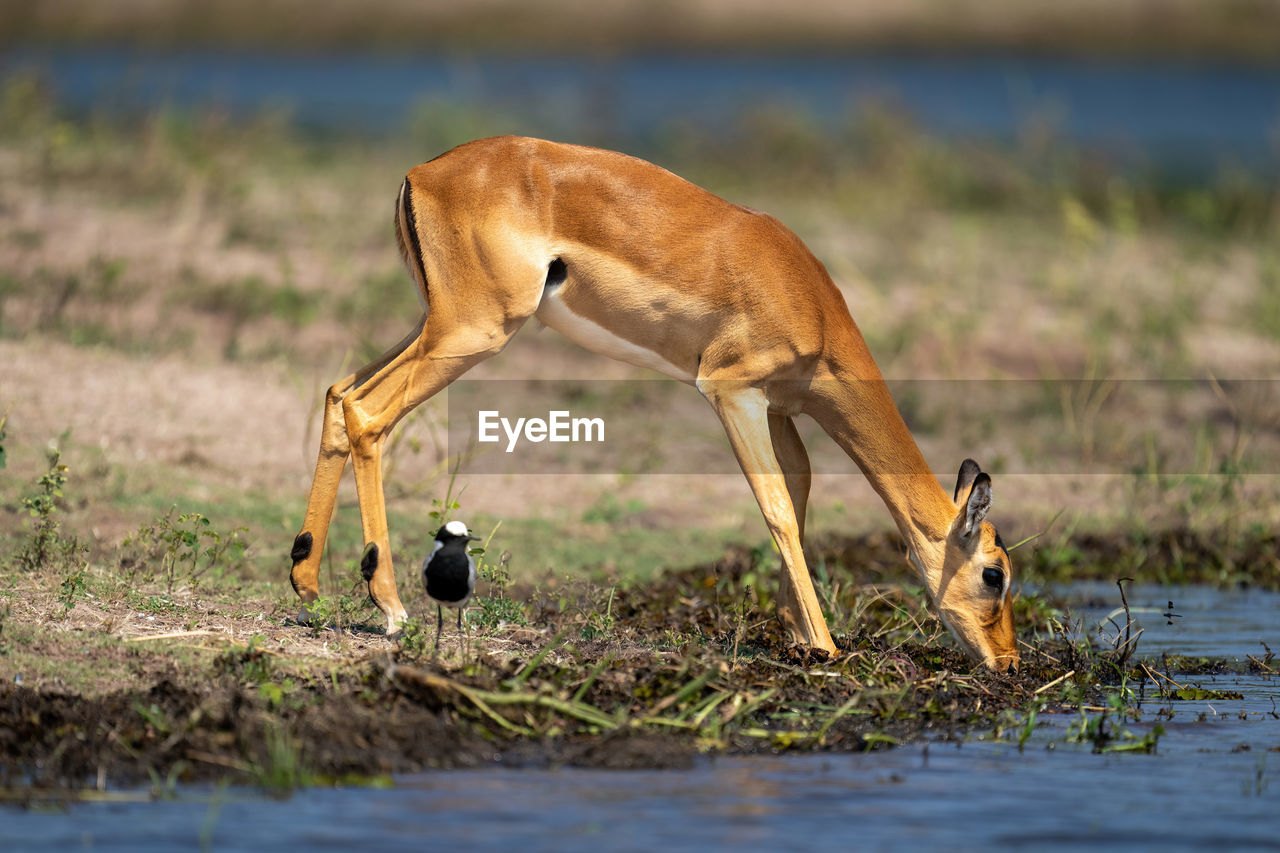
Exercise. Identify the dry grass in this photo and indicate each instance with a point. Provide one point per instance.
(1233, 28)
(178, 275)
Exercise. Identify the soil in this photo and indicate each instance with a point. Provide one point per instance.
(661, 674)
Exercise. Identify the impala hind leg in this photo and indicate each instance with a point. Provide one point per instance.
(794, 461)
(308, 546)
(744, 411)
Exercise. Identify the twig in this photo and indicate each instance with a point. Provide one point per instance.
(434, 682)
(1058, 680)
(221, 761)
(44, 795)
(1038, 650)
(1154, 674)
(142, 638)
(978, 684)
(482, 699)
(1128, 623)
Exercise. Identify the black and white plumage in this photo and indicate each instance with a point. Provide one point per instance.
(449, 573)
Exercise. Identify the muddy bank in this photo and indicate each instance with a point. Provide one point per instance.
(401, 719)
(658, 679)
(67, 741)
(618, 676)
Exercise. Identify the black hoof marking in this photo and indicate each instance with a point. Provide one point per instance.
(301, 548)
(369, 562)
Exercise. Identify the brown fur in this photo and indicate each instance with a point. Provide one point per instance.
(726, 297)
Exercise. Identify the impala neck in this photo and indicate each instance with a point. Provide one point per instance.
(859, 413)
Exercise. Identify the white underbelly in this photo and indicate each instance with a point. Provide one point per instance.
(553, 312)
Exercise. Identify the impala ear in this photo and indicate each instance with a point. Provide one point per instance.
(969, 472)
(977, 506)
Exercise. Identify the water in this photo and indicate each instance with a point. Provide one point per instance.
(1177, 115)
(1206, 622)
(1199, 790)
(1214, 781)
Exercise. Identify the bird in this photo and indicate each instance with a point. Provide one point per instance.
(449, 573)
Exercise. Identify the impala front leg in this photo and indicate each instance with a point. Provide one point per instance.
(371, 411)
(744, 411)
(375, 563)
(794, 461)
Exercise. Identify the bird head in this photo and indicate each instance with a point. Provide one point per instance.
(455, 530)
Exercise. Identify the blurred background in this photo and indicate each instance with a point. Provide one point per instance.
(1055, 223)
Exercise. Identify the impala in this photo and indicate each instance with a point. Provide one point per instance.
(635, 263)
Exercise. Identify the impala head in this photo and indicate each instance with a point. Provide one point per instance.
(973, 593)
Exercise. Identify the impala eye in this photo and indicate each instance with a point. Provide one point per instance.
(993, 578)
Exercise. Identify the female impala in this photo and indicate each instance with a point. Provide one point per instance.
(640, 265)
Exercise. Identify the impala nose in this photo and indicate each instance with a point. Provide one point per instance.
(1004, 663)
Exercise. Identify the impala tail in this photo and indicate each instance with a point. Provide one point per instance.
(409, 243)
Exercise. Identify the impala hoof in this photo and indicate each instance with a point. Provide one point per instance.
(395, 624)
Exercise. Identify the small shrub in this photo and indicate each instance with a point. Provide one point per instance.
(47, 548)
(187, 544)
(73, 586)
(497, 608)
(415, 638)
(599, 623)
(335, 611)
(492, 612)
